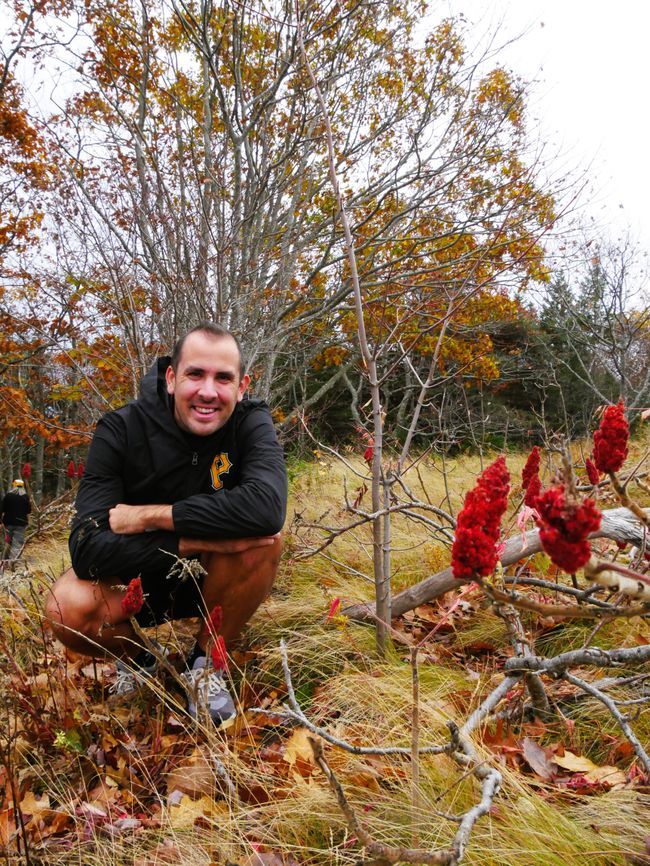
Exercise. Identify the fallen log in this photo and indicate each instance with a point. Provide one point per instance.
(618, 524)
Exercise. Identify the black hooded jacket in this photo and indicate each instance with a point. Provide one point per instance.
(231, 484)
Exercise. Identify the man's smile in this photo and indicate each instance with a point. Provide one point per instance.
(207, 384)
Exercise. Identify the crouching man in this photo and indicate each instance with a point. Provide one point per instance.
(189, 469)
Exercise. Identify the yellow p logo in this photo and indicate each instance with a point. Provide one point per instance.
(220, 466)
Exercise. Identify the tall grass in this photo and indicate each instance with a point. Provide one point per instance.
(91, 754)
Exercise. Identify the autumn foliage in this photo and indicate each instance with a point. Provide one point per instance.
(189, 168)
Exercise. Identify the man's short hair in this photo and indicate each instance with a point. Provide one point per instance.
(214, 329)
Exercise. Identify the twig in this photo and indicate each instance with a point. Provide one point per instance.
(415, 741)
(518, 600)
(633, 702)
(379, 854)
(593, 656)
(538, 696)
(152, 647)
(461, 750)
(627, 501)
(224, 776)
(620, 718)
(368, 517)
(488, 704)
(617, 523)
(578, 594)
(298, 715)
(490, 783)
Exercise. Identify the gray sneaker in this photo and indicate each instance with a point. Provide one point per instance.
(131, 675)
(206, 690)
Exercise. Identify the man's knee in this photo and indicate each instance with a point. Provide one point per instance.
(262, 558)
(73, 610)
(248, 562)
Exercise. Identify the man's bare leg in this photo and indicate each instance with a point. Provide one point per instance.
(239, 583)
(86, 616)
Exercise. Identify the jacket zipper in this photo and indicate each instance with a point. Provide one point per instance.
(195, 459)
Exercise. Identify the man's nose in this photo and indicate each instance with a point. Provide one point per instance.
(208, 389)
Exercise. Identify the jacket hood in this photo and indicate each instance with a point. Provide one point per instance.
(153, 399)
(153, 386)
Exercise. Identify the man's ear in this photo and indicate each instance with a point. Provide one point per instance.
(170, 378)
(243, 384)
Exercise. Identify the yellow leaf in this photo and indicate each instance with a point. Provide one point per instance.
(183, 816)
(29, 805)
(612, 776)
(298, 747)
(574, 763)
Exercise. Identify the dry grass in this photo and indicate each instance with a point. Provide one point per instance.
(285, 809)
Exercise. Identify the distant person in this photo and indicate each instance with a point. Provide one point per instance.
(192, 468)
(14, 512)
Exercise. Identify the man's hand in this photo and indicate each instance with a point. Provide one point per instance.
(192, 546)
(132, 519)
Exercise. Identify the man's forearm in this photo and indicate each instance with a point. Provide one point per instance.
(133, 519)
(193, 546)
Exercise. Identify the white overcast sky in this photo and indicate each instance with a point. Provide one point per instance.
(589, 62)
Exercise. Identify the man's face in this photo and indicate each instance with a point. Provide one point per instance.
(206, 385)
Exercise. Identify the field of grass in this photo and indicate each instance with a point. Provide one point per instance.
(89, 779)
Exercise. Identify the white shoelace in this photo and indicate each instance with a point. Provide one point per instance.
(213, 679)
(125, 682)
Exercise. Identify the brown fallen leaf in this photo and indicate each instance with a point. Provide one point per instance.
(165, 852)
(32, 805)
(49, 823)
(428, 613)
(364, 776)
(195, 777)
(7, 827)
(268, 858)
(104, 793)
(538, 760)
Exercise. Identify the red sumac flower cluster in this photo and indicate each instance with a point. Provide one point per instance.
(530, 479)
(564, 527)
(479, 524)
(611, 439)
(133, 598)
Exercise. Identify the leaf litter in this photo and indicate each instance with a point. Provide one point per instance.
(87, 767)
